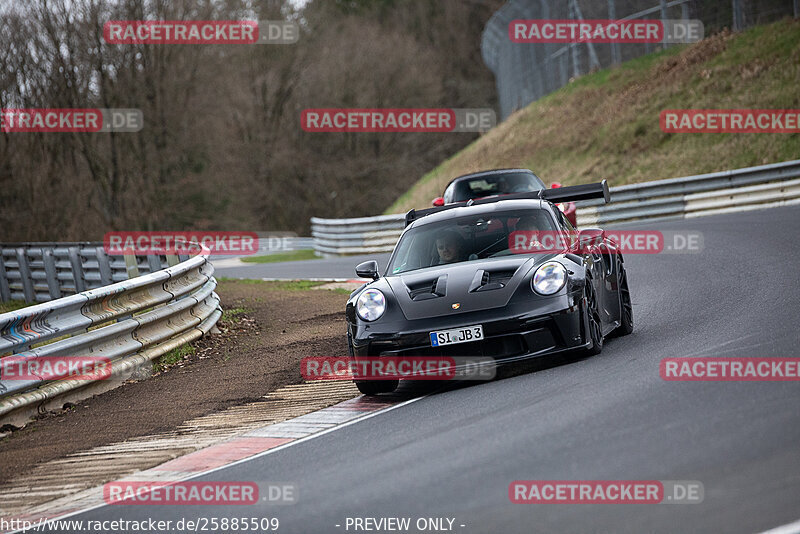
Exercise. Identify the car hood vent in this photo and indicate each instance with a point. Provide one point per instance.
(428, 289)
(485, 280)
(459, 285)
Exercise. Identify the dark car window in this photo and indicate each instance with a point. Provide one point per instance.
(493, 184)
(463, 239)
(448, 194)
(566, 226)
(565, 222)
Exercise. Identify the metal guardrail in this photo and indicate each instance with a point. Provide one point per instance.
(695, 196)
(130, 323)
(39, 272)
(691, 196)
(362, 235)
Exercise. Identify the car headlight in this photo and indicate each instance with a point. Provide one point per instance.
(549, 278)
(371, 304)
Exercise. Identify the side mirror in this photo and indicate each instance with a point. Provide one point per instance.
(590, 237)
(438, 201)
(368, 269)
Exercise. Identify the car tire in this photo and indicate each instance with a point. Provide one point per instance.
(374, 387)
(594, 322)
(625, 306)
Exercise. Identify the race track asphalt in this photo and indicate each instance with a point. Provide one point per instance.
(611, 417)
(344, 268)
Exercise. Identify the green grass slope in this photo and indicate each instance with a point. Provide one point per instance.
(606, 124)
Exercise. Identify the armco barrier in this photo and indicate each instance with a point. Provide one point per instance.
(695, 196)
(39, 272)
(135, 321)
(692, 196)
(363, 235)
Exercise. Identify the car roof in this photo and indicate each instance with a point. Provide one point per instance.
(480, 209)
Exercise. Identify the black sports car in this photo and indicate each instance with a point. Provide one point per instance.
(489, 183)
(456, 285)
(497, 182)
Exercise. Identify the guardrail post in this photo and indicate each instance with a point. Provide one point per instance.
(131, 265)
(5, 291)
(154, 262)
(105, 267)
(77, 269)
(172, 260)
(25, 276)
(51, 274)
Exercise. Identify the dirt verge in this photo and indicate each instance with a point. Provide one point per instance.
(267, 329)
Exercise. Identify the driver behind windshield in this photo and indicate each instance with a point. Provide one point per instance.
(451, 247)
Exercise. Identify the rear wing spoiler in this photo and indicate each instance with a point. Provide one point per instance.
(576, 193)
(572, 193)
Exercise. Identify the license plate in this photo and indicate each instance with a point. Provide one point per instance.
(456, 335)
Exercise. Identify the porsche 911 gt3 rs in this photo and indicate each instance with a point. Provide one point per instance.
(455, 285)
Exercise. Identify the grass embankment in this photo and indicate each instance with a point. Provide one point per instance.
(287, 285)
(606, 124)
(13, 305)
(294, 255)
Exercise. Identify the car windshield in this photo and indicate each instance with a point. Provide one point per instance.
(463, 239)
(495, 184)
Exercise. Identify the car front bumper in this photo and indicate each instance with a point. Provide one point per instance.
(509, 333)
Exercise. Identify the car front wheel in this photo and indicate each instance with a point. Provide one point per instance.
(625, 307)
(594, 321)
